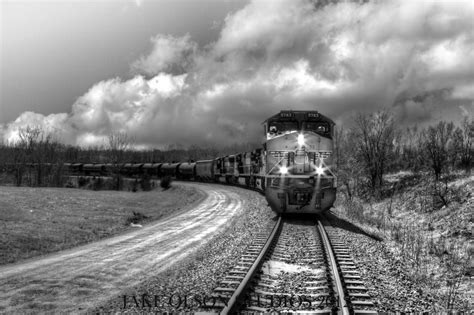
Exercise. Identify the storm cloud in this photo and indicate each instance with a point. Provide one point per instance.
(413, 56)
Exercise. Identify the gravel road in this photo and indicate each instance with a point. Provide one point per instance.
(77, 279)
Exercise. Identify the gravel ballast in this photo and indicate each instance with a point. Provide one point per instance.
(384, 275)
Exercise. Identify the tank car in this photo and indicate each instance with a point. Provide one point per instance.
(186, 171)
(94, 169)
(169, 169)
(132, 169)
(152, 169)
(298, 159)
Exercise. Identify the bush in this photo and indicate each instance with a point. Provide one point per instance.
(135, 218)
(117, 182)
(97, 183)
(82, 181)
(165, 182)
(145, 183)
(134, 186)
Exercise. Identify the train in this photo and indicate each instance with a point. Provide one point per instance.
(293, 168)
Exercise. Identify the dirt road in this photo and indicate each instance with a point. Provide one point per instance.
(77, 279)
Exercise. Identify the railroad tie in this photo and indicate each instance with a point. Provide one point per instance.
(362, 303)
(351, 287)
(221, 289)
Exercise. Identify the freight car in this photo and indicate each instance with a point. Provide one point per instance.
(186, 171)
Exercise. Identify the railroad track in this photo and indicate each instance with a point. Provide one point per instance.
(297, 267)
(357, 299)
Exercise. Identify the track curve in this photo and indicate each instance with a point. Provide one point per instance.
(78, 279)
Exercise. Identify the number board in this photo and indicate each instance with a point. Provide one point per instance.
(323, 154)
(286, 114)
(279, 154)
(313, 115)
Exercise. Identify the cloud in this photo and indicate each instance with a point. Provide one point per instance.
(131, 106)
(172, 54)
(55, 124)
(467, 110)
(339, 58)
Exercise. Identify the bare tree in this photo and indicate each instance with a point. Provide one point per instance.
(37, 152)
(118, 144)
(416, 156)
(374, 135)
(463, 139)
(41, 152)
(437, 141)
(346, 163)
(18, 163)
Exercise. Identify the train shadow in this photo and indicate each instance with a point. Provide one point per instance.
(299, 218)
(348, 226)
(310, 219)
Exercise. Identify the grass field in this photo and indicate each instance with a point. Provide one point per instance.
(36, 221)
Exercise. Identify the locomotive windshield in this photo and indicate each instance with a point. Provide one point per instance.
(281, 127)
(276, 128)
(319, 127)
(288, 121)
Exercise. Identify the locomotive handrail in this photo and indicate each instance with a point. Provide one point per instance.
(277, 163)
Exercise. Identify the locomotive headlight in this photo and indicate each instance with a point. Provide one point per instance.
(284, 170)
(319, 170)
(301, 139)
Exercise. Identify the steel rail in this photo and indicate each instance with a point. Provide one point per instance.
(232, 304)
(337, 278)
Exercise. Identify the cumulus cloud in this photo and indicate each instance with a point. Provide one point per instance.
(134, 106)
(414, 56)
(55, 124)
(168, 54)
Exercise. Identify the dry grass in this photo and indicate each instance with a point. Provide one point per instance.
(427, 236)
(36, 221)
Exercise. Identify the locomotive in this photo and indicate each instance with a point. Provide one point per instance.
(293, 168)
(298, 173)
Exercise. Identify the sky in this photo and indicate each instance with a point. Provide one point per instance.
(208, 72)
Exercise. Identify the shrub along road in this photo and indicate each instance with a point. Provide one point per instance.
(79, 278)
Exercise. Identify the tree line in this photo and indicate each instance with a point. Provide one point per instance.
(363, 154)
(375, 146)
(36, 158)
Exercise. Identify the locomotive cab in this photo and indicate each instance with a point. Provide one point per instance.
(299, 177)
